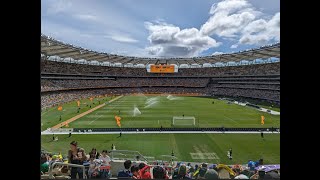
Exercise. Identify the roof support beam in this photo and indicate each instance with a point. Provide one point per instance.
(83, 55)
(63, 52)
(54, 47)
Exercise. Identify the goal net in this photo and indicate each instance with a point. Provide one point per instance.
(183, 121)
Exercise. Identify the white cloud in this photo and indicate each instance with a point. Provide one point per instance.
(169, 40)
(229, 17)
(234, 46)
(86, 17)
(58, 6)
(217, 53)
(121, 38)
(238, 19)
(261, 31)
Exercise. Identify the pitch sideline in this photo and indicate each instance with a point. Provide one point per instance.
(83, 114)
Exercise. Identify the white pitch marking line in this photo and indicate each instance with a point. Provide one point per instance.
(95, 119)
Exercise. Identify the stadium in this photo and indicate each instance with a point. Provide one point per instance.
(219, 112)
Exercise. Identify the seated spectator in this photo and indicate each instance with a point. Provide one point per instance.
(144, 171)
(239, 172)
(44, 165)
(199, 174)
(105, 163)
(126, 172)
(182, 173)
(159, 172)
(211, 174)
(93, 167)
(135, 172)
(95, 153)
(105, 158)
(272, 175)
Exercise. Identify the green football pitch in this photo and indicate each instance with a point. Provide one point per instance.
(211, 148)
(156, 111)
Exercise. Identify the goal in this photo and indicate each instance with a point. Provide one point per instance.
(183, 121)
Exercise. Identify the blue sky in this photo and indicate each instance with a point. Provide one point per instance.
(163, 28)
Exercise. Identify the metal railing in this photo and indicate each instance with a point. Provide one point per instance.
(68, 165)
(127, 154)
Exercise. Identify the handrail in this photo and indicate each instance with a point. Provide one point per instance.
(128, 151)
(66, 164)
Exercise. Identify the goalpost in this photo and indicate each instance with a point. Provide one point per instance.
(183, 121)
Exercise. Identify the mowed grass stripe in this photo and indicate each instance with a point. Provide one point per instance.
(245, 146)
(207, 114)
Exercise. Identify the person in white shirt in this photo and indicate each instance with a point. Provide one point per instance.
(105, 161)
(105, 158)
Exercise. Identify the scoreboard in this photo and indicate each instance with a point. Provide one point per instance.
(162, 68)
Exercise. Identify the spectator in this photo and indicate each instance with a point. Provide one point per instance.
(159, 172)
(144, 171)
(126, 172)
(135, 172)
(105, 159)
(272, 175)
(44, 166)
(76, 155)
(211, 174)
(93, 167)
(95, 153)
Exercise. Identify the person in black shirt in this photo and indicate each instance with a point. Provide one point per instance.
(262, 135)
(70, 133)
(230, 153)
(60, 118)
(76, 155)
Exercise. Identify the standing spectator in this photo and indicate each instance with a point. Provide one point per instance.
(76, 155)
(126, 172)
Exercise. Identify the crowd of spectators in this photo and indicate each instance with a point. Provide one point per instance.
(271, 95)
(54, 84)
(259, 87)
(246, 86)
(49, 99)
(71, 68)
(99, 165)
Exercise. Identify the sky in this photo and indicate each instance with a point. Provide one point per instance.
(163, 28)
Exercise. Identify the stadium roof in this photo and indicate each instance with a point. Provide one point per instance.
(52, 47)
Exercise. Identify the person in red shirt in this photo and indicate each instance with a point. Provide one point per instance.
(144, 171)
(135, 172)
